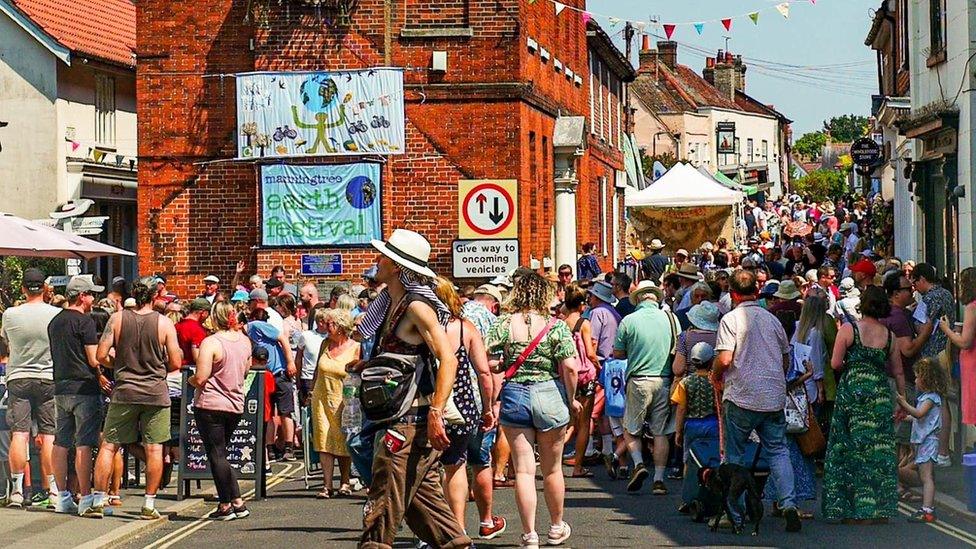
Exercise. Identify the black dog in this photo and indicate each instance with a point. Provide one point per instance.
(730, 482)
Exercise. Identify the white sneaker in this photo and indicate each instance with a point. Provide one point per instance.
(530, 540)
(16, 500)
(85, 504)
(67, 505)
(943, 461)
(559, 533)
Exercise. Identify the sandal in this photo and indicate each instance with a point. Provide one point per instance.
(345, 490)
(324, 494)
(503, 483)
(585, 473)
(909, 496)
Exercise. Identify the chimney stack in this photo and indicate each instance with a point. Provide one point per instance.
(725, 75)
(647, 58)
(708, 73)
(740, 72)
(669, 52)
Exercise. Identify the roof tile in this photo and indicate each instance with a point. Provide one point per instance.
(674, 90)
(102, 29)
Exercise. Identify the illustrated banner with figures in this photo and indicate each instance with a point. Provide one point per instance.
(331, 205)
(320, 113)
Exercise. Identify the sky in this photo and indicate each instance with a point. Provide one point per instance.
(811, 66)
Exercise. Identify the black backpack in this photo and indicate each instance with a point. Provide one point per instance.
(390, 383)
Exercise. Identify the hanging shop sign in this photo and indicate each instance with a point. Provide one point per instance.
(725, 137)
(320, 113)
(865, 152)
(325, 205)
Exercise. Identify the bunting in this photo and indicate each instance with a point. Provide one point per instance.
(784, 9)
(727, 23)
(699, 27)
(669, 30)
(586, 17)
(755, 17)
(559, 7)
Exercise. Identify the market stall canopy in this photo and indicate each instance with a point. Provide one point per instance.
(684, 186)
(24, 238)
(730, 183)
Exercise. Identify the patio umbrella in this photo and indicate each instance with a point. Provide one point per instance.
(24, 238)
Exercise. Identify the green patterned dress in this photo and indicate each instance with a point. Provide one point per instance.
(860, 474)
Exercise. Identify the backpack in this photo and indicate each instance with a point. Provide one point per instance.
(390, 383)
(587, 372)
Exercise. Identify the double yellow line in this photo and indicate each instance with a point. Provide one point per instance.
(178, 535)
(944, 527)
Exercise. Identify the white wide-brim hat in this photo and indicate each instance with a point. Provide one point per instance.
(408, 249)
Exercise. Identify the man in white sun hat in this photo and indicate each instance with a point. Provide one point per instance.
(406, 472)
(655, 263)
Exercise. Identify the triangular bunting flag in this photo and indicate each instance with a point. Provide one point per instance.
(586, 17)
(727, 23)
(755, 17)
(74, 146)
(814, 2)
(118, 159)
(699, 27)
(784, 9)
(531, 1)
(99, 155)
(669, 30)
(614, 21)
(559, 7)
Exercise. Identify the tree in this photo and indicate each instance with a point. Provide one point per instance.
(847, 128)
(821, 185)
(647, 162)
(810, 144)
(12, 273)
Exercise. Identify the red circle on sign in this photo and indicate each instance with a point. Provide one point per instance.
(505, 195)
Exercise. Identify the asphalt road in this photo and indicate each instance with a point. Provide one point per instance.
(600, 511)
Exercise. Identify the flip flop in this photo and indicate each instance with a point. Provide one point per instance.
(324, 494)
(909, 497)
(585, 474)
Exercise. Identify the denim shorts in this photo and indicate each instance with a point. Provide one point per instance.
(540, 406)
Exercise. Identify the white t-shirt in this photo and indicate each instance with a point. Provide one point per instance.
(311, 341)
(25, 330)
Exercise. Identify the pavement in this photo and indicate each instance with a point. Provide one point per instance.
(600, 511)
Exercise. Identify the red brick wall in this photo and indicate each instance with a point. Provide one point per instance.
(198, 211)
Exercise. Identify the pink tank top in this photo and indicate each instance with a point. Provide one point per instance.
(224, 390)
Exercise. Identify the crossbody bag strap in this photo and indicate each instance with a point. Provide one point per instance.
(528, 350)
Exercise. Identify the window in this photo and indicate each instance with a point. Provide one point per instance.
(534, 181)
(903, 34)
(603, 215)
(937, 31)
(592, 96)
(738, 156)
(749, 150)
(765, 149)
(104, 110)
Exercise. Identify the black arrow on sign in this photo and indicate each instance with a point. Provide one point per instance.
(481, 203)
(496, 216)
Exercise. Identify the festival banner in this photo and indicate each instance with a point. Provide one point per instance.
(324, 205)
(282, 114)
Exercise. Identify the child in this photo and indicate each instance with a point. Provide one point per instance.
(696, 418)
(612, 378)
(930, 379)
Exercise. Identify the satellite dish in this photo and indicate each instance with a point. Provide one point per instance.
(659, 170)
(72, 208)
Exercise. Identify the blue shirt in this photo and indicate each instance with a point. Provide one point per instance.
(930, 424)
(613, 378)
(265, 335)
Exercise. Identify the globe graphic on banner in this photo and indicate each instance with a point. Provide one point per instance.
(360, 192)
(319, 92)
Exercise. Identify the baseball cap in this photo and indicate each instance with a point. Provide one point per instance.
(118, 280)
(212, 279)
(681, 251)
(160, 278)
(701, 353)
(239, 295)
(488, 289)
(272, 283)
(199, 304)
(80, 284)
(34, 279)
(258, 294)
(864, 266)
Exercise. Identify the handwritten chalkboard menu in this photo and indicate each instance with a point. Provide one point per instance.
(244, 446)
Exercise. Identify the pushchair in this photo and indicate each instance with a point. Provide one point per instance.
(705, 453)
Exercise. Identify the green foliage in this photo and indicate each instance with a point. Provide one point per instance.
(847, 128)
(821, 185)
(647, 162)
(12, 272)
(810, 144)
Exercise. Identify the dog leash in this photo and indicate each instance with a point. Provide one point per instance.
(721, 425)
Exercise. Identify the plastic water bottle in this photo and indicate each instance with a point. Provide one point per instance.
(352, 415)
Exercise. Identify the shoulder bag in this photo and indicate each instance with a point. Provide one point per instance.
(520, 360)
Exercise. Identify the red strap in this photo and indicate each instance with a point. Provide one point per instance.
(510, 373)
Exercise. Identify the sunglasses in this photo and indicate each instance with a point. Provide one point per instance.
(566, 273)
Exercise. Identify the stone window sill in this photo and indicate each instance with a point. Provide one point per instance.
(438, 32)
(936, 58)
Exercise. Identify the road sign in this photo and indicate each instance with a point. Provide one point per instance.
(58, 280)
(488, 209)
(865, 152)
(321, 265)
(484, 258)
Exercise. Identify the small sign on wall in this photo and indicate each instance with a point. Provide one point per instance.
(321, 264)
(484, 258)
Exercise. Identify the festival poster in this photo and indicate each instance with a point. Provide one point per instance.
(325, 205)
(282, 114)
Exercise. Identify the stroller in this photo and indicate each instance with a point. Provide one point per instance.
(705, 453)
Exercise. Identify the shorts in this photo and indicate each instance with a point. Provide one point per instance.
(31, 400)
(125, 422)
(648, 395)
(456, 452)
(540, 406)
(927, 450)
(479, 447)
(283, 397)
(79, 420)
(616, 426)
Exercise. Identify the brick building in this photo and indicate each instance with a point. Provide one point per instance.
(514, 72)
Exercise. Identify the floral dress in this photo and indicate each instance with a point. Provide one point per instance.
(860, 474)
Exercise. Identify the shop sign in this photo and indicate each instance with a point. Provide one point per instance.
(865, 152)
(725, 137)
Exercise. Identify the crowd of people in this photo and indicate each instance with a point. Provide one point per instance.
(804, 353)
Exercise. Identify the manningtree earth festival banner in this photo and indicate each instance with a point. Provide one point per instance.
(283, 114)
(325, 205)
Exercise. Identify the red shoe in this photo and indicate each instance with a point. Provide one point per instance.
(503, 483)
(497, 527)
